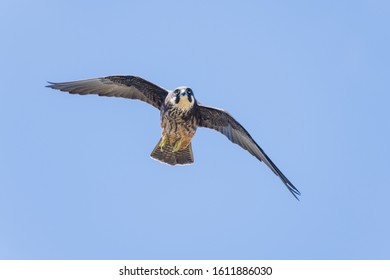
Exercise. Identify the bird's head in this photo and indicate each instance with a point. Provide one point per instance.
(183, 98)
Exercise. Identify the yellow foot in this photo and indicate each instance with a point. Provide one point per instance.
(177, 145)
(163, 142)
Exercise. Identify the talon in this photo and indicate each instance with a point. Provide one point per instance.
(177, 145)
(163, 142)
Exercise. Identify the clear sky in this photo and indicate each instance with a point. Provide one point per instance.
(308, 79)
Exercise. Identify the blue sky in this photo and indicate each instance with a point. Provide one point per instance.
(308, 80)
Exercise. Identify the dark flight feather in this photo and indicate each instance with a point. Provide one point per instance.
(223, 122)
(131, 87)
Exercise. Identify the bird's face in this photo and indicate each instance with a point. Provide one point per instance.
(183, 98)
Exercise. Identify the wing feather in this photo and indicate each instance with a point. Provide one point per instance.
(224, 123)
(131, 87)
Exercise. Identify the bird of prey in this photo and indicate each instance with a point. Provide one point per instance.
(180, 115)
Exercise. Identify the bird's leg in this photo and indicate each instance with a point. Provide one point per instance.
(163, 141)
(177, 145)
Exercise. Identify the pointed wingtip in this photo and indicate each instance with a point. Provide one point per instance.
(296, 195)
(294, 191)
(50, 84)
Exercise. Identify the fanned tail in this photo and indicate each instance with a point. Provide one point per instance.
(167, 155)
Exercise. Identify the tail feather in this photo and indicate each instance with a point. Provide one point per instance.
(167, 155)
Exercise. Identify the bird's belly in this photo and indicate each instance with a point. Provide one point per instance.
(179, 130)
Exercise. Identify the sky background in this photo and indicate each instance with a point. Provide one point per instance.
(308, 79)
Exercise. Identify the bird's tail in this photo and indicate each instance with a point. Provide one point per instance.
(167, 155)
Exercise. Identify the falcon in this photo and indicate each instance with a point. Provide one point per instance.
(180, 115)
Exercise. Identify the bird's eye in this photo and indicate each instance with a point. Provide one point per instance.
(177, 91)
(189, 91)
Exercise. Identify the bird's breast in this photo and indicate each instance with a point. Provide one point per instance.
(178, 124)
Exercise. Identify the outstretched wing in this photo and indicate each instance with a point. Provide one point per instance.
(119, 86)
(223, 122)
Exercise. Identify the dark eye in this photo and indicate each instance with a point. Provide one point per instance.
(189, 91)
(177, 91)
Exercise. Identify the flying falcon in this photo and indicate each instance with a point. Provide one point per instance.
(180, 114)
